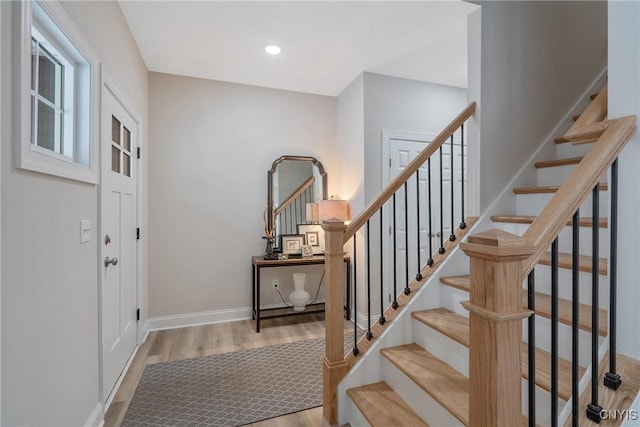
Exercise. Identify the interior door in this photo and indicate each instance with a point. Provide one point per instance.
(118, 238)
(401, 150)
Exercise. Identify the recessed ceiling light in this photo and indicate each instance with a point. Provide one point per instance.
(272, 49)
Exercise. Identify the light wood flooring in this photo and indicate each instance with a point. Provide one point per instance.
(205, 340)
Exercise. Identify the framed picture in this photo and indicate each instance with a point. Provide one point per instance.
(314, 236)
(292, 244)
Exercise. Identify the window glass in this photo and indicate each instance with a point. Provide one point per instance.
(58, 83)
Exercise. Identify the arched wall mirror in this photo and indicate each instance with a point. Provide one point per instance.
(292, 182)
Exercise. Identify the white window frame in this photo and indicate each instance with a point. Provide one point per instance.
(84, 165)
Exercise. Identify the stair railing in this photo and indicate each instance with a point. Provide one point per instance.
(337, 235)
(500, 261)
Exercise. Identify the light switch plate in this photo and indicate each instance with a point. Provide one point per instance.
(85, 230)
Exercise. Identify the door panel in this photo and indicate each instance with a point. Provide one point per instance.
(401, 152)
(118, 239)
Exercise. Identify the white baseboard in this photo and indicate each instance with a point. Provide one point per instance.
(195, 319)
(96, 419)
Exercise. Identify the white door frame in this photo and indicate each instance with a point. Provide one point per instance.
(387, 136)
(107, 84)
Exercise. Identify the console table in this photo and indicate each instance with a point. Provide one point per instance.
(258, 263)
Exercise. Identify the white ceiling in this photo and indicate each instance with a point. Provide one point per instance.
(326, 44)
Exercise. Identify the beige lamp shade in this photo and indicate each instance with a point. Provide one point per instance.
(312, 211)
(338, 209)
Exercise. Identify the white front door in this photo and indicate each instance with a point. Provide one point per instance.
(118, 238)
(400, 148)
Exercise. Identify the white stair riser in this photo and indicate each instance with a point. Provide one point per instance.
(457, 356)
(543, 340)
(565, 288)
(444, 348)
(353, 414)
(451, 298)
(543, 404)
(569, 150)
(557, 175)
(565, 238)
(553, 176)
(420, 401)
(532, 204)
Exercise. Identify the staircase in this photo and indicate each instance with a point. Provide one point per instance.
(424, 379)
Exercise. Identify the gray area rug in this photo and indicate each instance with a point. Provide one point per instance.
(231, 389)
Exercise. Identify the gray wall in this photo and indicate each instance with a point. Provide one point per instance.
(405, 105)
(211, 146)
(537, 58)
(50, 354)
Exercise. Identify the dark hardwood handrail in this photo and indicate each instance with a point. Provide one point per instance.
(407, 172)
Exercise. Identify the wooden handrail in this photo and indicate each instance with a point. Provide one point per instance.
(408, 171)
(298, 191)
(595, 112)
(580, 183)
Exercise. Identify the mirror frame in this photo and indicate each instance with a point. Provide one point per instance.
(314, 162)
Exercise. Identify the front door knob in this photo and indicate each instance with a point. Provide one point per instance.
(112, 261)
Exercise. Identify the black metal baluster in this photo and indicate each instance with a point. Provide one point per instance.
(369, 334)
(381, 319)
(395, 258)
(575, 319)
(419, 274)
(452, 236)
(441, 250)
(531, 333)
(407, 290)
(611, 378)
(463, 224)
(430, 260)
(355, 350)
(593, 409)
(554, 333)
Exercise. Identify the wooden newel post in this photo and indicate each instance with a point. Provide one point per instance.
(334, 365)
(495, 323)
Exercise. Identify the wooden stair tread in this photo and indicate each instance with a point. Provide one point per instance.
(550, 189)
(403, 300)
(620, 399)
(446, 322)
(383, 407)
(585, 221)
(543, 307)
(560, 140)
(584, 263)
(558, 162)
(443, 383)
(457, 327)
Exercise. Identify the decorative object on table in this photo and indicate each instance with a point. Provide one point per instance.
(292, 244)
(307, 251)
(333, 209)
(268, 231)
(293, 182)
(299, 297)
(312, 212)
(323, 211)
(314, 236)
